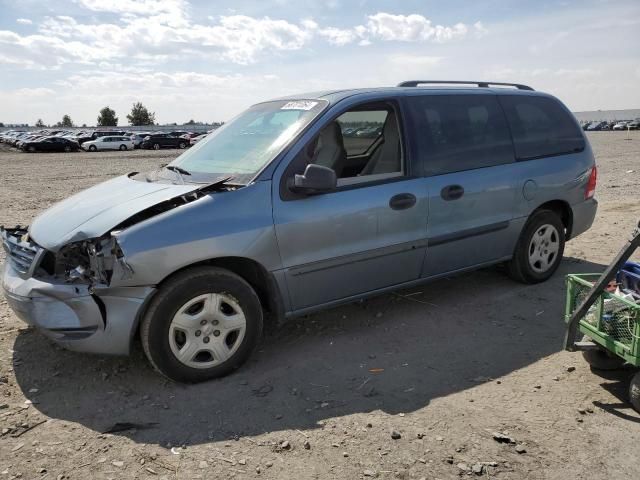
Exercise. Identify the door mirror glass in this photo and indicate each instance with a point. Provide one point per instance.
(316, 179)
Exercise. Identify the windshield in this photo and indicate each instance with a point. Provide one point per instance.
(245, 145)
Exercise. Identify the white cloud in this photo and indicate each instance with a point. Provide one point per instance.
(398, 28)
(42, 51)
(237, 38)
(24, 21)
(480, 30)
(137, 7)
(154, 30)
(411, 28)
(337, 36)
(34, 92)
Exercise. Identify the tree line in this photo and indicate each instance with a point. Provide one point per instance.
(139, 116)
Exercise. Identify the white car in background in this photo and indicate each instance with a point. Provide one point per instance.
(621, 125)
(194, 140)
(109, 143)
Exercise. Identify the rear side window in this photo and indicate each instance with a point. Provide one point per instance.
(541, 127)
(460, 132)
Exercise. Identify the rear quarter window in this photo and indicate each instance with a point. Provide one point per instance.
(541, 127)
(460, 132)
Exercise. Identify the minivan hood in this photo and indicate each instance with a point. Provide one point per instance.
(93, 212)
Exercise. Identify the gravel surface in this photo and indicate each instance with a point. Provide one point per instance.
(465, 376)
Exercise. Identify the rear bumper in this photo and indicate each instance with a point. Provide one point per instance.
(583, 215)
(77, 318)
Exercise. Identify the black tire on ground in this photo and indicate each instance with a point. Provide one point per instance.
(634, 392)
(123, 147)
(67, 148)
(92, 148)
(156, 146)
(155, 325)
(602, 360)
(31, 149)
(182, 145)
(519, 267)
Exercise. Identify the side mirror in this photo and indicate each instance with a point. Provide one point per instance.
(316, 179)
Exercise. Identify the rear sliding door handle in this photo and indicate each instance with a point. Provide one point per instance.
(452, 192)
(402, 201)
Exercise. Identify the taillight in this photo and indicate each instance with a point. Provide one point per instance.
(590, 191)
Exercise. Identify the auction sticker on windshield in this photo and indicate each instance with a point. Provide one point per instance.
(299, 105)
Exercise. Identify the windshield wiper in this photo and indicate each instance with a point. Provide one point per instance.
(222, 181)
(179, 170)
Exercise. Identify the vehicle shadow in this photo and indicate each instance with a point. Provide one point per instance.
(617, 385)
(393, 353)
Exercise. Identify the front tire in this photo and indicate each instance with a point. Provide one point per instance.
(182, 145)
(123, 147)
(539, 249)
(156, 146)
(202, 324)
(92, 148)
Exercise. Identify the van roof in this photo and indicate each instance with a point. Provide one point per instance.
(481, 88)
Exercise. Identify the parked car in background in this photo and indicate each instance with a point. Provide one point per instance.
(138, 138)
(197, 138)
(635, 125)
(109, 143)
(106, 133)
(15, 139)
(6, 136)
(50, 144)
(164, 140)
(598, 126)
(621, 125)
(183, 134)
(29, 138)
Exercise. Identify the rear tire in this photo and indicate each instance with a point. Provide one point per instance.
(539, 250)
(67, 148)
(182, 145)
(188, 345)
(123, 147)
(31, 149)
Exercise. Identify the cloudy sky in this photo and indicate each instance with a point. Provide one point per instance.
(207, 60)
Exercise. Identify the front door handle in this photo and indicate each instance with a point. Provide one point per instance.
(452, 192)
(402, 201)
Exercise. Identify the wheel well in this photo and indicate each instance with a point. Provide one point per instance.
(255, 275)
(563, 209)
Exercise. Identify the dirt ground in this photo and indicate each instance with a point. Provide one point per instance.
(444, 365)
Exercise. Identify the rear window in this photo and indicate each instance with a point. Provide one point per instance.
(541, 127)
(461, 132)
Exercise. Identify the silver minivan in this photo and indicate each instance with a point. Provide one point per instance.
(299, 204)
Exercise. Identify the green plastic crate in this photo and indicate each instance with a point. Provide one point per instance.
(612, 321)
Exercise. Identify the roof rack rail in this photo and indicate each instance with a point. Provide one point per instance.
(415, 83)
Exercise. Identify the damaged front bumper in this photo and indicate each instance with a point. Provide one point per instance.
(77, 316)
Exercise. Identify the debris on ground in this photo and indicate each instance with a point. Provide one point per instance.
(503, 438)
